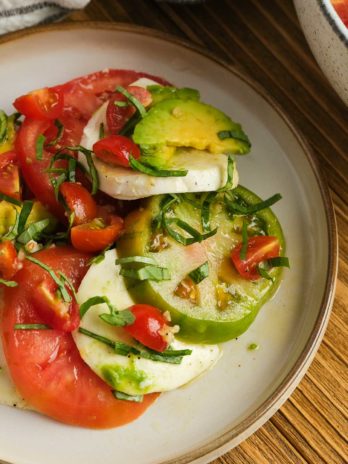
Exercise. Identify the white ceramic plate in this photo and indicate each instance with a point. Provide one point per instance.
(205, 419)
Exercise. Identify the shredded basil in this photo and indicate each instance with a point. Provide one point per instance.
(165, 204)
(33, 231)
(134, 101)
(200, 273)
(92, 169)
(130, 124)
(31, 327)
(155, 172)
(235, 208)
(3, 126)
(147, 273)
(101, 131)
(244, 248)
(195, 235)
(123, 396)
(115, 318)
(121, 104)
(40, 141)
(12, 232)
(57, 182)
(72, 170)
(59, 135)
(263, 273)
(281, 261)
(237, 134)
(230, 172)
(99, 258)
(24, 214)
(8, 283)
(9, 199)
(136, 259)
(205, 211)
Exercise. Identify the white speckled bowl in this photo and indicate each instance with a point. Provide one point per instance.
(328, 38)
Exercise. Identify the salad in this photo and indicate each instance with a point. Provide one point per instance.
(129, 252)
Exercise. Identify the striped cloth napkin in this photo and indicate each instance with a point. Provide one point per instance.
(18, 14)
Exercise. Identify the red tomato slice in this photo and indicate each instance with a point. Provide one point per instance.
(95, 236)
(148, 327)
(341, 7)
(44, 104)
(9, 263)
(9, 175)
(46, 366)
(260, 248)
(79, 201)
(116, 149)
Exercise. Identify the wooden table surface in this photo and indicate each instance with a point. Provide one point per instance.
(264, 40)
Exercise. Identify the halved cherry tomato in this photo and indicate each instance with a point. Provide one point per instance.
(9, 175)
(117, 115)
(46, 366)
(115, 149)
(79, 201)
(95, 235)
(9, 263)
(149, 326)
(260, 248)
(55, 312)
(44, 104)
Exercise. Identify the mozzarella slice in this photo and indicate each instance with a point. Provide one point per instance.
(206, 172)
(131, 375)
(8, 393)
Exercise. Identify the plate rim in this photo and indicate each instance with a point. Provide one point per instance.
(235, 435)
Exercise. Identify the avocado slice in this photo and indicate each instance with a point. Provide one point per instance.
(174, 123)
(160, 93)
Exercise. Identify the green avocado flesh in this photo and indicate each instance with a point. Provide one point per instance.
(174, 123)
(226, 304)
(160, 93)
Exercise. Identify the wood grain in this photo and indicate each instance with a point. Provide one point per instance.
(264, 40)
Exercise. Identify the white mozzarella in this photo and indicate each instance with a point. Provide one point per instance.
(144, 82)
(206, 172)
(130, 375)
(8, 393)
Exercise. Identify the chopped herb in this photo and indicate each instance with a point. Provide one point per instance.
(130, 124)
(147, 273)
(281, 261)
(121, 104)
(155, 172)
(12, 232)
(95, 300)
(33, 231)
(8, 283)
(136, 259)
(230, 172)
(205, 211)
(99, 258)
(123, 396)
(244, 249)
(40, 141)
(101, 131)
(134, 101)
(190, 199)
(59, 135)
(9, 199)
(237, 134)
(263, 273)
(234, 207)
(195, 235)
(165, 204)
(92, 169)
(57, 182)
(253, 347)
(68, 282)
(24, 214)
(31, 327)
(116, 318)
(200, 273)
(3, 126)
(72, 170)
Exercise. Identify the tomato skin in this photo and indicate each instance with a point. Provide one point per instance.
(9, 263)
(79, 201)
(9, 175)
(56, 313)
(91, 237)
(43, 104)
(149, 322)
(116, 149)
(46, 366)
(260, 248)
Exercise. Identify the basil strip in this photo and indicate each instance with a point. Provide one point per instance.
(237, 134)
(57, 182)
(31, 327)
(65, 294)
(230, 171)
(200, 273)
(3, 126)
(165, 204)
(12, 232)
(68, 282)
(130, 124)
(9, 199)
(147, 273)
(59, 135)
(33, 231)
(72, 170)
(205, 211)
(39, 145)
(8, 283)
(99, 258)
(24, 214)
(263, 273)
(134, 101)
(280, 261)
(95, 300)
(92, 169)
(136, 259)
(123, 396)
(244, 248)
(195, 235)
(101, 131)
(235, 207)
(121, 104)
(115, 318)
(155, 172)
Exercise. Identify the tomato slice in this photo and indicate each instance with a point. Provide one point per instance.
(260, 248)
(9, 263)
(44, 104)
(95, 235)
(79, 201)
(119, 111)
(9, 175)
(341, 7)
(46, 366)
(116, 149)
(149, 327)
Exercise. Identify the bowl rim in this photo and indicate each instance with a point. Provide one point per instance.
(334, 20)
(236, 434)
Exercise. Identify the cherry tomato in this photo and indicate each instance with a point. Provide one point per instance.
(149, 327)
(44, 104)
(46, 366)
(260, 248)
(55, 312)
(79, 201)
(117, 115)
(9, 175)
(115, 149)
(9, 263)
(341, 7)
(95, 235)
